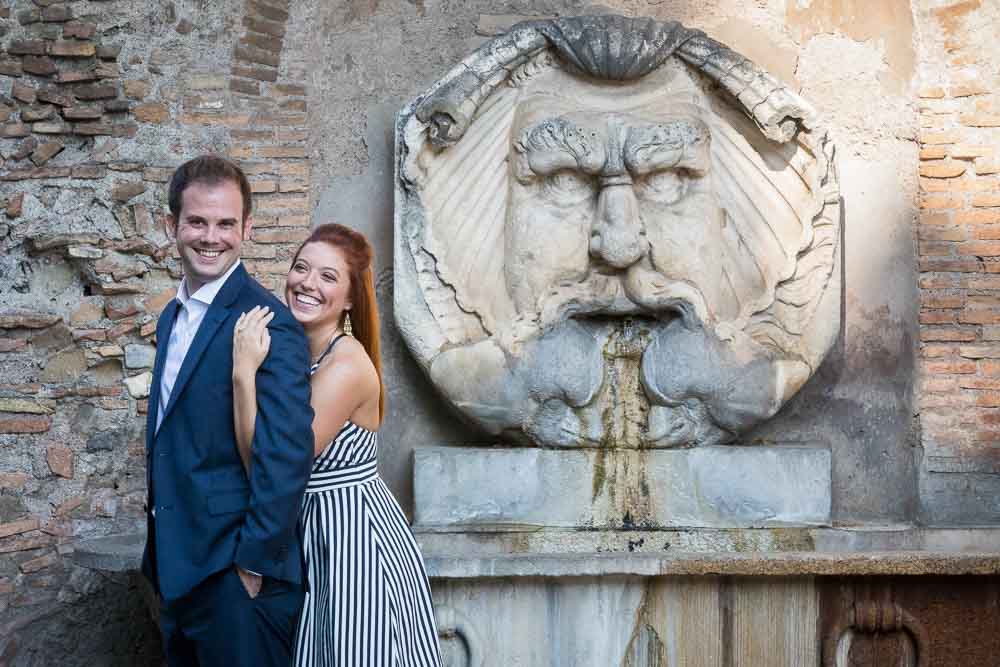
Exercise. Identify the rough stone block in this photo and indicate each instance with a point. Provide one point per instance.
(717, 487)
(46, 152)
(36, 113)
(53, 127)
(138, 385)
(57, 14)
(137, 89)
(154, 112)
(10, 67)
(38, 65)
(79, 30)
(109, 51)
(83, 113)
(15, 204)
(100, 91)
(70, 48)
(27, 47)
(122, 192)
(76, 76)
(139, 356)
(53, 95)
(23, 92)
(94, 129)
(24, 424)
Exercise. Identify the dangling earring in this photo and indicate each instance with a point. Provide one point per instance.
(347, 323)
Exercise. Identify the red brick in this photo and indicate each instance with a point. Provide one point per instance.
(940, 203)
(281, 235)
(981, 120)
(57, 14)
(979, 248)
(24, 423)
(963, 366)
(266, 27)
(942, 169)
(266, 11)
(932, 300)
(96, 91)
(935, 218)
(938, 249)
(937, 384)
(979, 316)
(256, 56)
(42, 562)
(984, 201)
(977, 217)
(38, 65)
(79, 30)
(988, 399)
(953, 266)
(18, 527)
(14, 481)
(979, 383)
(257, 73)
(271, 44)
(947, 334)
(938, 138)
(60, 460)
(76, 76)
(69, 48)
(152, 113)
(929, 233)
(244, 87)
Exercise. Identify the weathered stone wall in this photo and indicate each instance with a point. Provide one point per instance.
(100, 99)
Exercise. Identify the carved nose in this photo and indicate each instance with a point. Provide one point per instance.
(616, 236)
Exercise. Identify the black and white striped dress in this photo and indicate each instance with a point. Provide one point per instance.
(369, 601)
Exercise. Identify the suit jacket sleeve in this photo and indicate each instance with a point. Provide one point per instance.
(282, 451)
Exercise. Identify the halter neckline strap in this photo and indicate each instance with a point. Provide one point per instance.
(327, 350)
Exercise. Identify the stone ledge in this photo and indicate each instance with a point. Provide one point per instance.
(121, 553)
(779, 564)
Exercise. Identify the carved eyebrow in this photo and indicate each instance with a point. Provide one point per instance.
(680, 144)
(556, 143)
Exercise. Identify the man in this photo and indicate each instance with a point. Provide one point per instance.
(222, 548)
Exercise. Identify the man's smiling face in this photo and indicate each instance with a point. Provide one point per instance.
(209, 232)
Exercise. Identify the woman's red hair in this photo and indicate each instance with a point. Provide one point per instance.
(364, 308)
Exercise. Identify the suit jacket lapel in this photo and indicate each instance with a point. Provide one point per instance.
(216, 315)
(164, 326)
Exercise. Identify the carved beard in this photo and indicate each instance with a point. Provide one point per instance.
(655, 380)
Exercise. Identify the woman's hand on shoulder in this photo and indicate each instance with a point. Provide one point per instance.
(251, 341)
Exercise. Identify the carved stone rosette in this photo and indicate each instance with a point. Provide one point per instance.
(615, 232)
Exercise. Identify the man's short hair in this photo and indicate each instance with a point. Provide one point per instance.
(209, 170)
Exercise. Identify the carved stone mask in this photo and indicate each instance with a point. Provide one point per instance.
(586, 261)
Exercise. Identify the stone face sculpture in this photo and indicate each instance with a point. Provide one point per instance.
(615, 232)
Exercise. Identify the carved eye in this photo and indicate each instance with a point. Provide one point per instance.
(666, 187)
(567, 187)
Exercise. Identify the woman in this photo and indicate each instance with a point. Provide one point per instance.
(368, 601)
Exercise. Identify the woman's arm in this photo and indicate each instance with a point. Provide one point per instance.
(251, 343)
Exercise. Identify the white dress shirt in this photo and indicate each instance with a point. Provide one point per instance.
(191, 312)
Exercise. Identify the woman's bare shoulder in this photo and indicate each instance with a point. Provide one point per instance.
(348, 361)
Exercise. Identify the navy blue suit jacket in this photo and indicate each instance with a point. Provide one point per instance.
(209, 513)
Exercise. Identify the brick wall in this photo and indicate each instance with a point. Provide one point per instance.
(959, 239)
(99, 101)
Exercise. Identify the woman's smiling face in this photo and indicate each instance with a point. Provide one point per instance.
(318, 285)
